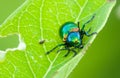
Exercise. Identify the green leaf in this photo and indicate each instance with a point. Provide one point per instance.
(37, 20)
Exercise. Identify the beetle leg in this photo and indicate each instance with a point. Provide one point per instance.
(75, 53)
(86, 33)
(54, 48)
(89, 30)
(67, 53)
(61, 50)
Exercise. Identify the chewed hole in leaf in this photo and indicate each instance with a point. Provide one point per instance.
(11, 42)
(8, 7)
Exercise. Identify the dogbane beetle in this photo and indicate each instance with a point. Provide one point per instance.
(72, 37)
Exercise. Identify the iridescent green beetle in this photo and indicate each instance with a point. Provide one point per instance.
(72, 37)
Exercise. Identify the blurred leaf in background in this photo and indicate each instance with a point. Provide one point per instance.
(7, 7)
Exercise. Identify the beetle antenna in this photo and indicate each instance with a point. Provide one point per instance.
(79, 25)
(88, 22)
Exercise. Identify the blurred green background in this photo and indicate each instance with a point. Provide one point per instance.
(102, 59)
